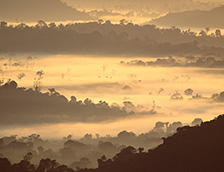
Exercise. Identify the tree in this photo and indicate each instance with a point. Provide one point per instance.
(100, 21)
(41, 24)
(207, 29)
(197, 121)
(123, 22)
(218, 33)
(176, 96)
(21, 26)
(140, 149)
(188, 92)
(125, 154)
(202, 33)
(28, 156)
(37, 86)
(52, 25)
(73, 99)
(40, 150)
(52, 91)
(88, 136)
(3, 24)
(88, 101)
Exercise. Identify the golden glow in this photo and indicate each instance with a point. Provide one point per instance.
(104, 79)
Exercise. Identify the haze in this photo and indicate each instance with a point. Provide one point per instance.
(80, 79)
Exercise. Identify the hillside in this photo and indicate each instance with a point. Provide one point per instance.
(32, 11)
(193, 19)
(194, 149)
(199, 148)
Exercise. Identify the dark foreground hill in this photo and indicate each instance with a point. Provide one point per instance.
(191, 149)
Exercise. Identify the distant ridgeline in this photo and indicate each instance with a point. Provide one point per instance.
(34, 10)
(106, 39)
(191, 149)
(193, 19)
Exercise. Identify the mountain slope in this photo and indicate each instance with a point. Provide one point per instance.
(34, 10)
(197, 18)
(194, 149)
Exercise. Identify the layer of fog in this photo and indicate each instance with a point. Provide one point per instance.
(108, 80)
(84, 151)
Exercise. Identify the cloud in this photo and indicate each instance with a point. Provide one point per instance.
(212, 71)
(100, 87)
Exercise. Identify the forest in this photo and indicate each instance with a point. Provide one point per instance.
(111, 86)
(104, 38)
(185, 150)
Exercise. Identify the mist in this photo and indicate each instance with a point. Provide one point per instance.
(105, 86)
